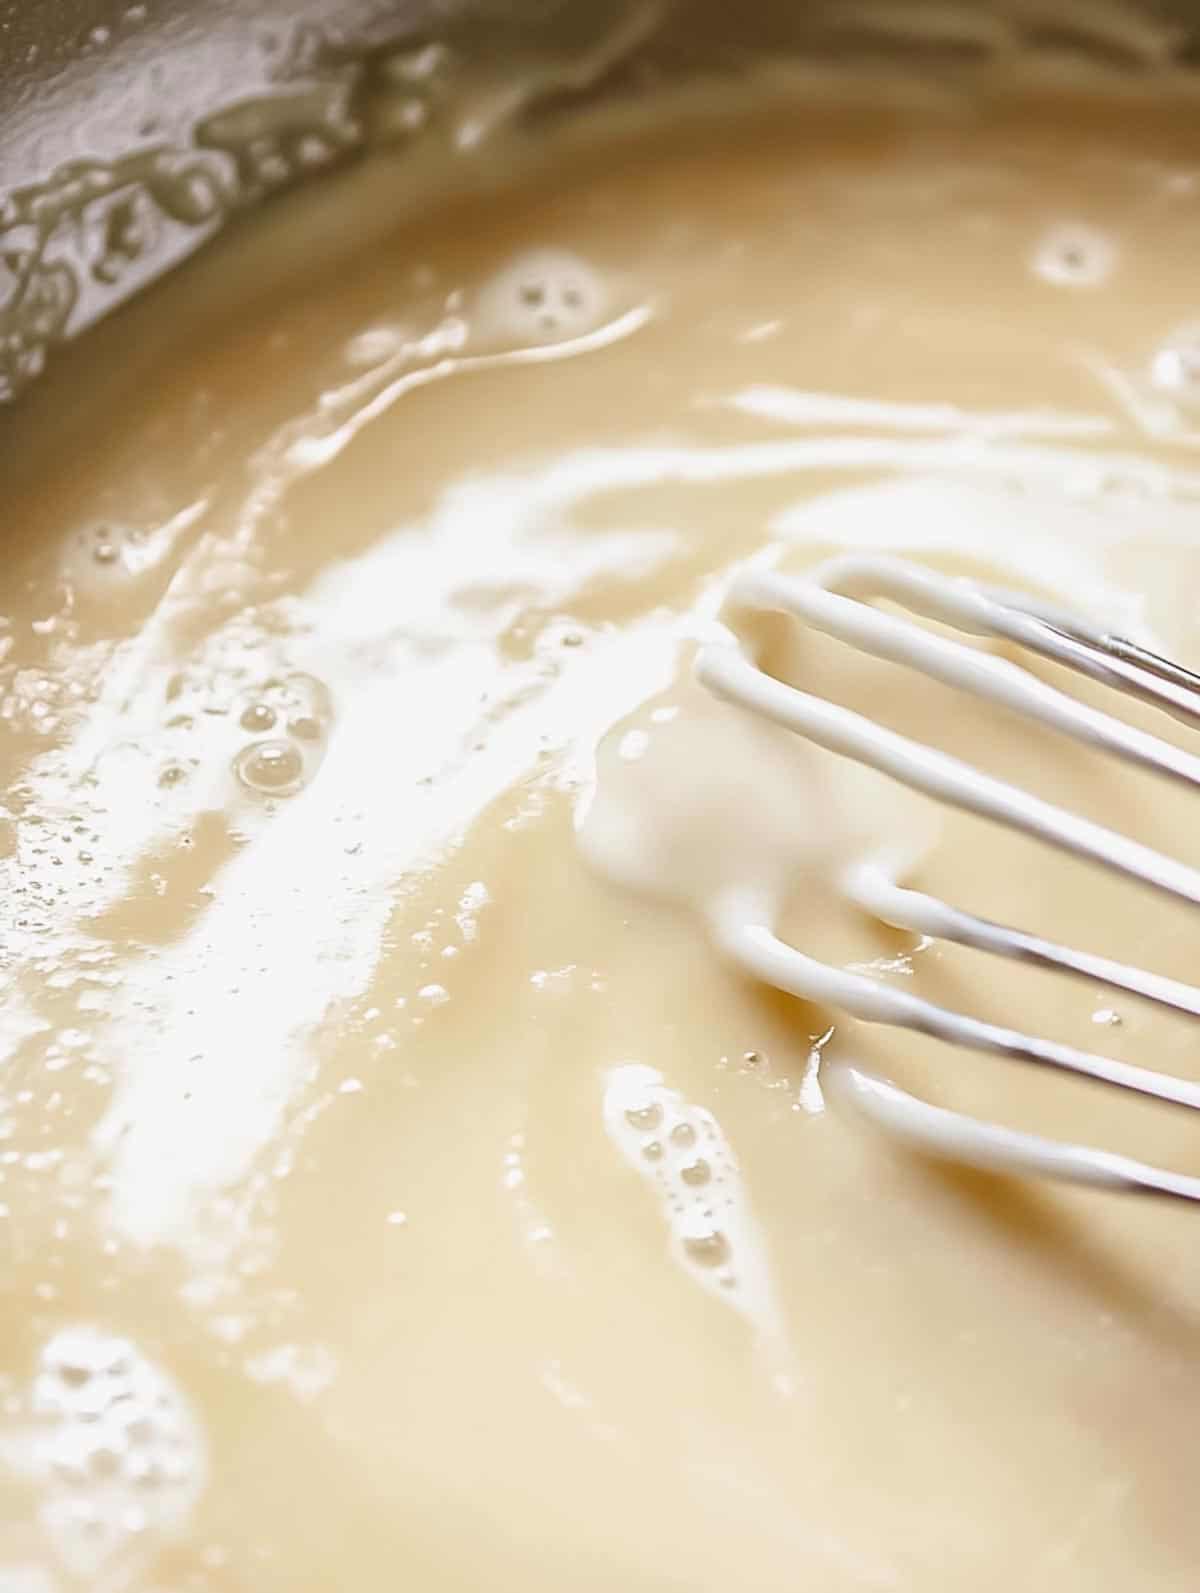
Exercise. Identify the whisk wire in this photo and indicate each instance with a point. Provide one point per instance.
(838, 599)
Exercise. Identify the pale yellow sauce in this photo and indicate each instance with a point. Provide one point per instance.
(332, 1066)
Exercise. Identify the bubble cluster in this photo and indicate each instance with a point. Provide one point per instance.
(292, 717)
(103, 558)
(115, 1451)
(1072, 255)
(680, 1150)
(543, 296)
(36, 700)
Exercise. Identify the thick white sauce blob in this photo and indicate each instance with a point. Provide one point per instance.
(697, 803)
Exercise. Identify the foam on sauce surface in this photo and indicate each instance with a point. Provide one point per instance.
(386, 1193)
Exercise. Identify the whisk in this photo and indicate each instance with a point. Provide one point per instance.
(839, 599)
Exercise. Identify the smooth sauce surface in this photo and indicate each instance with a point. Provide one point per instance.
(386, 1195)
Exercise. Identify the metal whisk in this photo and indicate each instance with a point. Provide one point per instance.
(838, 599)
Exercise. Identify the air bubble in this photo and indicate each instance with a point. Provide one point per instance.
(273, 768)
(259, 716)
(644, 1117)
(652, 1150)
(68, 1469)
(306, 728)
(105, 1460)
(683, 1134)
(703, 1242)
(696, 1172)
(1074, 256)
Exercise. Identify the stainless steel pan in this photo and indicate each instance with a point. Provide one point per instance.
(132, 131)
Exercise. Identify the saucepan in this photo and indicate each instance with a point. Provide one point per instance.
(136, 135)
(134, 132)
